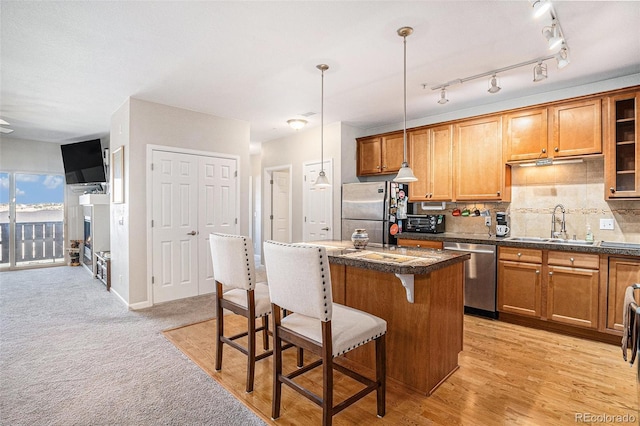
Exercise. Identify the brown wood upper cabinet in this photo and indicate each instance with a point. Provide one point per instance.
(575, 128)
(430, 152)
(380, 155)
(622, 151)
(479, 171)
(562, 130)
(525, 135)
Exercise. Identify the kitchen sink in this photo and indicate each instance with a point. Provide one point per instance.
(552, 241)
(527, 239)
(614, 244)
(570, 242)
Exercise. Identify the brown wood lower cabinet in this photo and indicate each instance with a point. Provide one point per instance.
(573, 281)
(623, 272)
(519, 285)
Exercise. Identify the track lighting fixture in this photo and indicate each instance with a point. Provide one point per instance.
(540, 7)
(539, 72)
(493, 85)
(562, 57)
(443, 97)
(553, 35)
(297, 123)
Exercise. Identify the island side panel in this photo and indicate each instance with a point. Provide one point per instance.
(338, 283)
(420, 349)
(446, 321)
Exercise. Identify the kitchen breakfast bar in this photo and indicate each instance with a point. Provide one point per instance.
(419, 292)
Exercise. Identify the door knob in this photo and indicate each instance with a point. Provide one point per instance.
(325, 229)
(191, 233)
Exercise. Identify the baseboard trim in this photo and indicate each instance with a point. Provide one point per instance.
(140, 305)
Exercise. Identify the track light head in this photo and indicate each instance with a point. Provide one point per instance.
(562, 57)
(493, 85)
(553, 35)
(540, 7)
(539, 72)
(443, 97)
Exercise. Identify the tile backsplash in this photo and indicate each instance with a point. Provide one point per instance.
(537, 190)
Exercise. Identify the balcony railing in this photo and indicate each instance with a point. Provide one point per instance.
(35, 242)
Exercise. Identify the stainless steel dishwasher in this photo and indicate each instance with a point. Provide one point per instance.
(479, 278)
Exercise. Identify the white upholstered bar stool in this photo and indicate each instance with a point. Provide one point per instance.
(238, 291)
(300, 282)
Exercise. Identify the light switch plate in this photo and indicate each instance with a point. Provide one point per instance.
(606, 223)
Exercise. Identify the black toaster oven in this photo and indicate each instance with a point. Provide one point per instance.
(428, 223)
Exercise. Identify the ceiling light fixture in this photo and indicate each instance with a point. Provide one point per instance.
(443, 97)
(493, 85)
(297, 123)
(562, 57)
(539, 72)
(540, 7)
(405, 174)
(553, 35)
(322, 182)
(4, 129)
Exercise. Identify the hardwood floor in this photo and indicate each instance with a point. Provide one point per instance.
(508, 374)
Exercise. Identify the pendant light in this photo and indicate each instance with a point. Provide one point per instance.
(405, 174)
(322, 182)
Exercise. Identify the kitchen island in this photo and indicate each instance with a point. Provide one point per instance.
(419, 292)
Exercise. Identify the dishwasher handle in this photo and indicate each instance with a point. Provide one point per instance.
(471, 251)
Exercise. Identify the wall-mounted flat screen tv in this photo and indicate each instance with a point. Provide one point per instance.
(83, 162)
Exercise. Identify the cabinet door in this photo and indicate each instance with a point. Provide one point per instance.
(419, 162)
(576, 128)
(479, 169)
(572, 296)
(623, 272)
(622, 151)
(519, 290)
(368, 156)
(440, 162)
(525, 135)
(392, 152)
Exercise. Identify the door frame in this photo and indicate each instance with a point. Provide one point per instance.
(149, 198)
(268, 173)
(327, 167)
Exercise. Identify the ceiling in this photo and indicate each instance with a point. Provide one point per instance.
(67, 66)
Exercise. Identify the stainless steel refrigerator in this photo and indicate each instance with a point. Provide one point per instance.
(376, 207)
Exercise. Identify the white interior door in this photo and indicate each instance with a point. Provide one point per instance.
(175, 226)
(318, 203)
(217, 197)
(281, 216)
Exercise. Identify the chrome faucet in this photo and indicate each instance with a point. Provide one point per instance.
(563, 228)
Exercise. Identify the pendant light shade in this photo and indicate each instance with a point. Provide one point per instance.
(322, 181)
(405, 174)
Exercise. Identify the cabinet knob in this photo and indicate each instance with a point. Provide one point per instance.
(418, 245)
(377, 167)
(544, 150)
(498, 193)
(384, 166)
(519, 254)
(550, 273)
(612, 190)
(571, 259)
(556, 149)
(537, 271)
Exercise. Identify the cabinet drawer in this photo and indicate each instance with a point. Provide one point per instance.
(408, 242)
(574, 260)
(520, 254)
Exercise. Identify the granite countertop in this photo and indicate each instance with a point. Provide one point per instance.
(393, 259)
(502, 241)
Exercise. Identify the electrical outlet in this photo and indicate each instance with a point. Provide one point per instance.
(487, 221)
(606, 224)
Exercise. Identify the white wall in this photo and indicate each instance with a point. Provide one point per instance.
(304, 146)
(156, 124)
